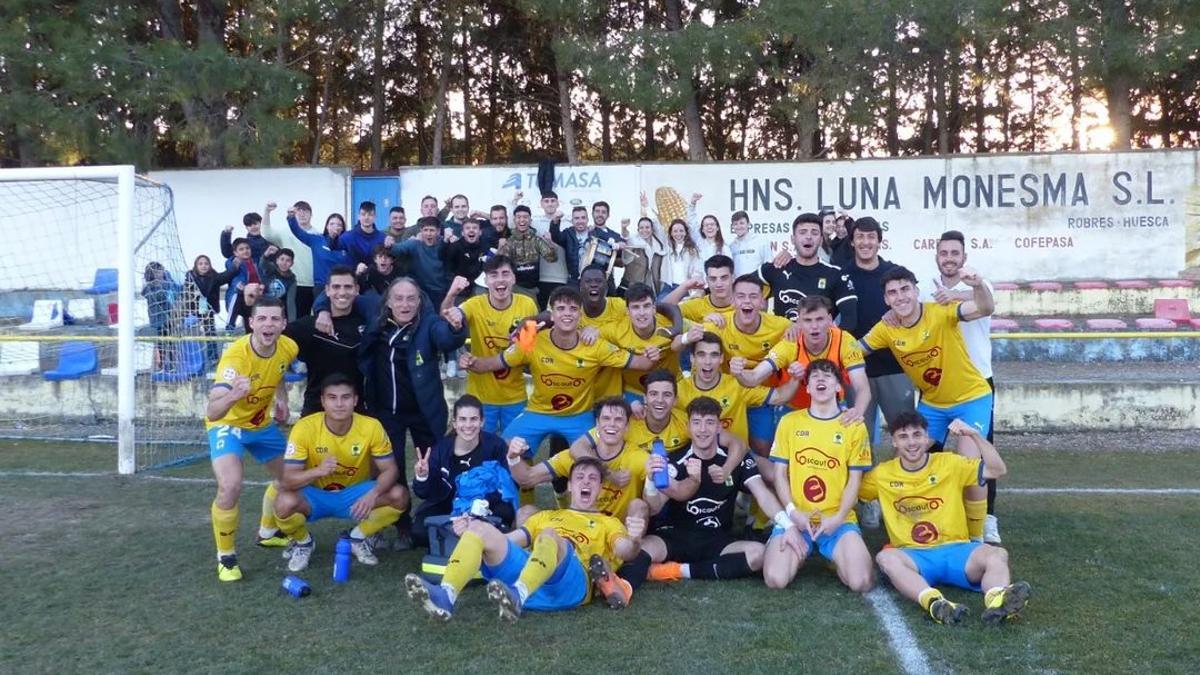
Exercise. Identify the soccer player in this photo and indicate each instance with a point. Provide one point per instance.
(326, 354)
(490, 320)
(544, 565)
(625, 465)
(717, 305)
(327, 474)
(694, 528)
(748, 337)
(951, 258)
(643, 326)
(706, 379)
(805, 275)
(563, 370)
(923, 509)
(819, 464)
(930, 349)
(240, 417)
(819, 339)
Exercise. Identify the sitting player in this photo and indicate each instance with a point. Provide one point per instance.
(694, 528)
(819, 464)
(327, 474)
(922, 498)
(249, 380)
(552, 574)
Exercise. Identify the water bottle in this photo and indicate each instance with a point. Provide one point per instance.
(296, 587)
(341, 561)
(661, 479)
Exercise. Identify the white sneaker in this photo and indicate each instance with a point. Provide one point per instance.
(362, 552)
(869, 514)
(991, 530)
(300, 555)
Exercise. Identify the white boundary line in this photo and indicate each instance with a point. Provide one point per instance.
(1099, 491)
(912, 660)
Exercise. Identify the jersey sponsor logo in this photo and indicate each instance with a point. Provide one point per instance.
(702, 505)
(710, 522)
(561, 402)
(924, 532)
(574, 535)
(790, 296)
(259, 417)
(560, 380)
(229, 374)
(814, 489)
(496, 342)
(918, 359)
(501, 374)
(916, 507)
(932, 376)
(816, 459)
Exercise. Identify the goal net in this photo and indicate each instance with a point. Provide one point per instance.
(69, 371)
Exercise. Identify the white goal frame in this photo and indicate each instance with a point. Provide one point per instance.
(125, 178)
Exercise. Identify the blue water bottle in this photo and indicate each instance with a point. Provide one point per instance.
(341, 561)
(296, 587)
(661, 479)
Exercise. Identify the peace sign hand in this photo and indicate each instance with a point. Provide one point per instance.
(421, 466)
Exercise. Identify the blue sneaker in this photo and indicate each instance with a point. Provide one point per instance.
(506, 598)
(432, 597)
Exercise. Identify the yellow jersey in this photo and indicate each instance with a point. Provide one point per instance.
(786, 352)
(820, 454)
(695, 309)
(608, 382)
(613, 499)
(925, 507)
(311, 442)
(622, 334)
(489, 329)
(674, 436)
(753, 347)
(253, 411)
(591, 533)
(933, 354)
(563, 378)
(731, 395)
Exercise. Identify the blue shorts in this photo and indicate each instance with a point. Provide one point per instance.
(976, 412)
(535, 427)
(567, 588)
(945, 564)
(826, 543)
(264, 444)
(633, 397)
(497, 417)
(762, 421)
(334, 503)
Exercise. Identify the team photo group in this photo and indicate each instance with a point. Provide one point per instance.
(701, 406)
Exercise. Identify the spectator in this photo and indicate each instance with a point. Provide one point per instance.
(203, 285)
(650, 247)
(498, 232)
(527, 250)
(362, 239)
(302, 266)
(794, 278)
(326, 252)
(258, 243)
(247, 273)
(376, 276)
(748, 250)
(161, 292)
(552, 271)
(424, 256)
(429, 206)
(837, 247)
(399, 358)
(711, 242)
(682, 260)
(460, 214)
(572, 241)
(278, 279)
(464, 258)
(397, 227)
(600, 229)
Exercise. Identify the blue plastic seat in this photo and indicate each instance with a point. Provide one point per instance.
(104, 282)
(75, 360)
(189, 363)
(293, 373)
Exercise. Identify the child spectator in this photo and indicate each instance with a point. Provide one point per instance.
(247, 273)
(326, 251)
(161, 292)
(379, 274)
(202, 287)
(278, 279)
(258, 243)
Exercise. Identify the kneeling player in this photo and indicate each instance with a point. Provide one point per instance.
(922, 499)
(553, 574)
(327, 474)
(819, 464)
(694, 528)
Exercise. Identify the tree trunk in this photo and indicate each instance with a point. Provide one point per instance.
(980, 111)
(468, 138)
(930, 106)
(650, 146)
(207, 115)
(807, 127)
(563, 80)
(1114, 16)
(439, 102)
(691, 109)
(377, 93)
(1120, 110)
(489, 122)
(938, 81)
(606, 147)
(892, 114)
(326, 78)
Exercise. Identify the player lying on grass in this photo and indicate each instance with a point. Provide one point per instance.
(245, 402)
(922, 498)
(819, 465)
(693, 537)
(544, 565)
(327, 474)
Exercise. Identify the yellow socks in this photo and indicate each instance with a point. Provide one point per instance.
(541, 564)
(994, 597)
(464, 563)
(379, 518)
(927, 597)
(295, 527)
(224, 524)
(976, 513)
(267, 525)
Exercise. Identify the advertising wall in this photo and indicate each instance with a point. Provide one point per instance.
(1060, 216)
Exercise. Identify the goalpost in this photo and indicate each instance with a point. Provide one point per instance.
(71, 231)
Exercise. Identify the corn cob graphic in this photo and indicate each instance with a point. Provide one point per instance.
(670, 205)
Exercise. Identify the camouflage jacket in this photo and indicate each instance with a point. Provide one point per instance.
(525, 249)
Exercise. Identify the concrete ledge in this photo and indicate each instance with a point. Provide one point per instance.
(1120, 401)
(1089, 301)
(1106, 350)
